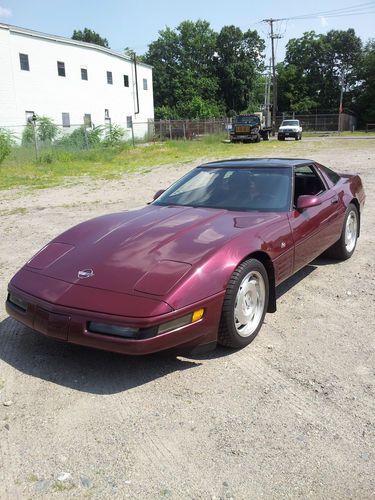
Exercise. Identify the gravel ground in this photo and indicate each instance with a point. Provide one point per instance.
(290, 416)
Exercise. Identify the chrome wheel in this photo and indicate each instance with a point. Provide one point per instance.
(351, 231)
(249, 304)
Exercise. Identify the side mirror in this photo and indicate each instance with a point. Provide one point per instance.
(307, 201)
(157, 194)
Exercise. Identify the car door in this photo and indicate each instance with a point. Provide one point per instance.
(312, 227)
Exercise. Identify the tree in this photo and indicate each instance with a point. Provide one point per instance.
(311, 73)
(89, 36)
(239, 62)
(365, 102)
(183, 68)
(6, 144)
(198, 72)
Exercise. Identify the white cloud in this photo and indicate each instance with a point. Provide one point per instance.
(323, 21)
(4, 12)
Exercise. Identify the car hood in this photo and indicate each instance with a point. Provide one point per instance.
(147, 250)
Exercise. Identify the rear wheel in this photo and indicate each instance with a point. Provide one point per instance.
(344, 248)
(245, 304)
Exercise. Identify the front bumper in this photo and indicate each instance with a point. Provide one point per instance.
(71, 325)
(286, 134)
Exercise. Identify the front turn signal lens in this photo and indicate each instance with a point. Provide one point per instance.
(197, 315)
(180, 322)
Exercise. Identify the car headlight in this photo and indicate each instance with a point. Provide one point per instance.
(117, 331)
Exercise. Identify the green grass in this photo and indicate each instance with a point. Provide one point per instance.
(56, 167)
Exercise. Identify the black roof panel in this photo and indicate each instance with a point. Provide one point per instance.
(257, 162)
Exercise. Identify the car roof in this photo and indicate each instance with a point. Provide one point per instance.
(257, 162)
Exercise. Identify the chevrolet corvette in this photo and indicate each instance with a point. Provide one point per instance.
(197, 266)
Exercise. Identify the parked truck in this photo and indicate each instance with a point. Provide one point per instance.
(251, 128)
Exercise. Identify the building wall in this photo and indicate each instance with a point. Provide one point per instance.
(43, 91)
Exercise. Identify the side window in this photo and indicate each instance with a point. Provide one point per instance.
(24, 62)
(84, 74)
(65, 120)
(306, 181)
(332, 176)
(87, 120)
(61, 68)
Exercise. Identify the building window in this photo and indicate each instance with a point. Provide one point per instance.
(106, 113)
(65, 120)
(87, 120)
(109, 77)
(60, 68)
(24, 62)
(129, 122)
(84, 75)
(145, 87)
(126, 81)
(30, 116)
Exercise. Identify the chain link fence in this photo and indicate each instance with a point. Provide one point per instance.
(336, 122)
(41, 135)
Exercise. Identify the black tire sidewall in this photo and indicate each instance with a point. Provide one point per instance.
(351, 208)
(228, 309)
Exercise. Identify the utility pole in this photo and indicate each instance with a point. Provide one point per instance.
(274, 83)
(342, 82)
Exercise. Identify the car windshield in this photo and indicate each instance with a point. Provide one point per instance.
(247, 120)
(241, 189)
(290, 122)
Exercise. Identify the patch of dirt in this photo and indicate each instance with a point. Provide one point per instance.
(292, 415)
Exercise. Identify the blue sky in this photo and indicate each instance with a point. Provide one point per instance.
(136, 23)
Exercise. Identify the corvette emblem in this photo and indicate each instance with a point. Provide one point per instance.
(86, 273)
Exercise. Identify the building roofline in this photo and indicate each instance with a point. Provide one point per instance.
(69, 41)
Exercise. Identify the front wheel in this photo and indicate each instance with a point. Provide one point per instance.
(245, 305)
(344, 248)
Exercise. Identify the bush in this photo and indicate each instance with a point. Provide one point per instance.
(115, 134)
(46, 131)
(6, 143)
(79, 139)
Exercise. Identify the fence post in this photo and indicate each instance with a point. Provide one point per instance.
(86, 137)
(170, 130)
(33, 124)
(133, 138)
(184, 129)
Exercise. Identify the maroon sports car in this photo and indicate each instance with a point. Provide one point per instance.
(197, 266)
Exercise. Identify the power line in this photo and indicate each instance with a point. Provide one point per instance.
(364, 8)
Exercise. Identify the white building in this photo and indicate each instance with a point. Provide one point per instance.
(71, 82)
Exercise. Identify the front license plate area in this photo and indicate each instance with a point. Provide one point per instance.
(51, 324)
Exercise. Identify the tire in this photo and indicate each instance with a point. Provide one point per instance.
(344, 248)
(266, 136)
(297, 137)
(245, 305)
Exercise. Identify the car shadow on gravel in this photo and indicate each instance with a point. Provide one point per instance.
(100, 372)
(81, 368)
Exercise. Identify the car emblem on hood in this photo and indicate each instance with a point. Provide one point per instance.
(86, 273)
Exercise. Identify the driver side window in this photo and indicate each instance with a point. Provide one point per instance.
(306, 181)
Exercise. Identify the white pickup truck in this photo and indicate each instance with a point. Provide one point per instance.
(290, 128)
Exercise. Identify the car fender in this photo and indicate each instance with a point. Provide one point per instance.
(212, 276)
